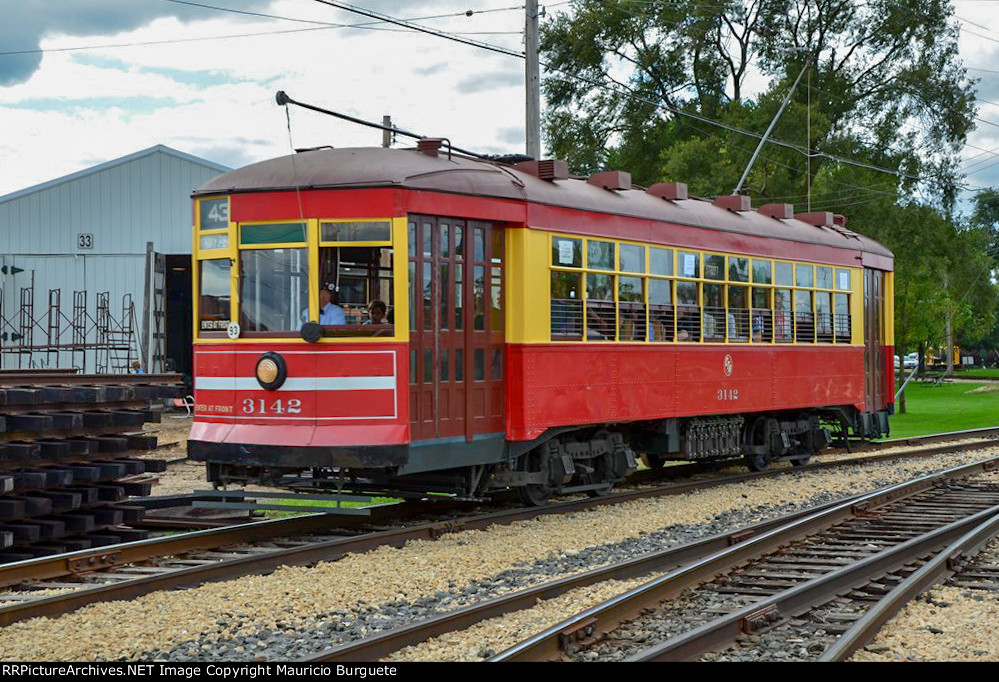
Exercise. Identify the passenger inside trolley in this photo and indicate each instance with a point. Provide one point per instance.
(358, 275)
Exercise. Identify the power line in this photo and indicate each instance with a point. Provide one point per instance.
(321, 26)
(421, 29)
(171, 41)
(467, 13)
(409, 25)
(659, 105)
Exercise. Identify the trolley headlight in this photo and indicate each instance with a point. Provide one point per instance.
(271, 371)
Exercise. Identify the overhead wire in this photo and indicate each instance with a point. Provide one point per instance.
(408, 24)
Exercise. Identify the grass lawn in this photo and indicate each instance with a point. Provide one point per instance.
(978, 373)
(947, 407)
(273, 514)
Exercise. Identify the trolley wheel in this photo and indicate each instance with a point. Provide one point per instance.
(652, 461)
(756, 436)
(535, 495)
(601, 492)
(757, 462)
(802, 450)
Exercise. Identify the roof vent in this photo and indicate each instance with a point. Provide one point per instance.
(818, 218)
(547, 169)
(777, 211)
(429, 145)
(611, 180)
(670, 191)
(734, 202)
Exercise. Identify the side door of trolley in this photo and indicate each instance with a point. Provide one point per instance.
(874, 336)
(456, 327)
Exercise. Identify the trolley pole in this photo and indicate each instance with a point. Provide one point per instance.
(532, 73)
(766, 135)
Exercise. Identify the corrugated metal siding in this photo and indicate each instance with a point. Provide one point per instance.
(125, 206)
(116, 274)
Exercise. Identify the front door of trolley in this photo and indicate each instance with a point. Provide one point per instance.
(874, 334)
(456, 327)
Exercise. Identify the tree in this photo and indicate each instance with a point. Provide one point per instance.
(985, 217)
(637, 84)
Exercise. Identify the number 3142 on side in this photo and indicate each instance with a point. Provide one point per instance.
(261, 406)
(728, 394)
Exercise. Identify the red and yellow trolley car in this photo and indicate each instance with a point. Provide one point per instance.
(419, 322)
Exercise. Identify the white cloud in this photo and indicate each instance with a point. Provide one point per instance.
(214, 96)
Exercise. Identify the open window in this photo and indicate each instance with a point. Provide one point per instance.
(567, 306)
(356, 293)
(661, 320)
(738, 314)
(631, 304)
(601, 317)
(714, 309)
(783, 320)
(688, 312)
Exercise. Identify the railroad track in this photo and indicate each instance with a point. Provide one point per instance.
(982, 438)
(962, 563)
(984, 432)
(132, 569)
(803, 583)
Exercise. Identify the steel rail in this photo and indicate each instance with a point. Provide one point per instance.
(51, 567)
(604, 617)
(382, 644)
(943, 436)
(936, 570)
(796, 600)
(108, 556)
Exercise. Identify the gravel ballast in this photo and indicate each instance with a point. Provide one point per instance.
(945, 623)
(298, 610)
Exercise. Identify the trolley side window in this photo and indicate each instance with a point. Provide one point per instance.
(606, 290)
(360, 301)
(567, 306)
(273, 289)
(566, 285)
(214, 302)
(355, 278)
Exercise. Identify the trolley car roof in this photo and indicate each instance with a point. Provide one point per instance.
(412, 169)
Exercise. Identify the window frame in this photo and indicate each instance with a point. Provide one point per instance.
(748, 281)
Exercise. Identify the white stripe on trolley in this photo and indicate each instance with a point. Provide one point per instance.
(299, 384)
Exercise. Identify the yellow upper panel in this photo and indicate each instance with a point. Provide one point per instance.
(533, 255)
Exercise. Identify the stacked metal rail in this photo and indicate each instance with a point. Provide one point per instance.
(68, 446)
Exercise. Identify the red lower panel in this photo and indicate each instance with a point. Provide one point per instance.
(342, 394)
(552, 385)
(268, 434)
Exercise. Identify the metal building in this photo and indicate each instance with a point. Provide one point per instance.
(95, 265)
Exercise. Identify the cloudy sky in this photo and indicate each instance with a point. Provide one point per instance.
(203, 81)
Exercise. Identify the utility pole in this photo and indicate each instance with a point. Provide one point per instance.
(950, 333)
(387, 134)
(532, 78)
